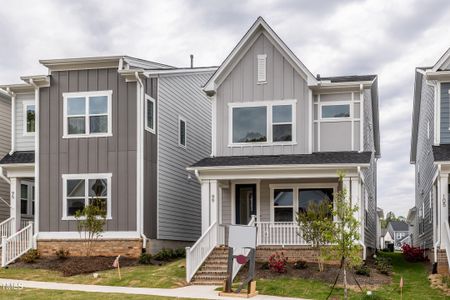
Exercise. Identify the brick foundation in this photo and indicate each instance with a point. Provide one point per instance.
(442, 263)
(293, 253)
(111, 247)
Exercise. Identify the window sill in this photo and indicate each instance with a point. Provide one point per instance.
(74, 219)
(260, 144)
(81, 136)
(28, 134)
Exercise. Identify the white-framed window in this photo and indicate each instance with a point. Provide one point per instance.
(27, 198)
(87, 114)
(262, 68)
(29, 118)
(262, 123)
(150, 114)
(182, 130)
(283, 205)
(335, 110)
(80, 190)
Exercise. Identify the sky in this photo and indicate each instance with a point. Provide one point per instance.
(388, 38)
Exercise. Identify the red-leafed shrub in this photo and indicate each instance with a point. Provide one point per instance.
(413, 254)
(278, 262)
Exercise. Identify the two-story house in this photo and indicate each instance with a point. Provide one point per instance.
(279, 137)
(116, 132)
(430, 153)
(398, 230)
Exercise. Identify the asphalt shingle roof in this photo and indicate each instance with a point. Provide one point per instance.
(399, 225)
(344, 157)
(350, 78)
(441, 153)
(18, 157)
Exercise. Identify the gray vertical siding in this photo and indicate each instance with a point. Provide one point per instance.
(23, 142)
(151, 167)
(283, 82)
(445, 113)
(5, 147)
(116, 154)
(179, 213)
(425, 161)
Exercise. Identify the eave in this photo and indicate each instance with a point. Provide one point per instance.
(438, 75)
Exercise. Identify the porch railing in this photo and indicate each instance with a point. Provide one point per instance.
(279, 233)
(6, 227)
(17, 244)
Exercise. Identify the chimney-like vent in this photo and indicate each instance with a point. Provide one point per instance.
(192, 60)
(318, 76)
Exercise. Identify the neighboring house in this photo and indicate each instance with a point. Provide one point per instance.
(387, 238)
(398, 231)
(5, 142)
(280, 136)
(116, 132)
(430, 153)
(411, 219)
(380, 216)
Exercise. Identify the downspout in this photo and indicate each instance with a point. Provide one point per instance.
(140, 159)
(361, 214)
(438, 242)
(36, 162)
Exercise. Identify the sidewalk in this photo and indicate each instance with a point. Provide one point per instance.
(193, 291)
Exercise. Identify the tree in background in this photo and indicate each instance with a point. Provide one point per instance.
(390, 216)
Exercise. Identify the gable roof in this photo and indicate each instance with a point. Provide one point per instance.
(18, 157)
(443, 61)
(260, 26)
(399, 225)
(349, 78)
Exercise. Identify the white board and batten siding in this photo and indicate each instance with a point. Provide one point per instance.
(179, 207)
(5, 147)
(23, 142)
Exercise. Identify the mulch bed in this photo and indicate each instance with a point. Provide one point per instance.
(76, 265)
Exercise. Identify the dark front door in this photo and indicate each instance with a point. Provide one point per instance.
(245, 203)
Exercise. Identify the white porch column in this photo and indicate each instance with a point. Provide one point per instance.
(205, 205)
(214, 201)
(210, 200)
(15, 203)
(443, 200)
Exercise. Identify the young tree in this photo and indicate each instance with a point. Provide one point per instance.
(345, 234)
(315, 224)
(90, 222)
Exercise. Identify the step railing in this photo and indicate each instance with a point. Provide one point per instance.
(17, 244)
(199, 252)
(6, 227)
(24, 223)
(279, 233)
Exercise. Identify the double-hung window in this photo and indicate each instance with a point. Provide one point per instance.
(283, 205)
(252, 123)
(29, 117)
(87, 114)
(27, 199)
(81, 190)
(150, 114)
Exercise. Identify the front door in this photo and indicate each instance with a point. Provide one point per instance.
(245, 203)
(26, 202)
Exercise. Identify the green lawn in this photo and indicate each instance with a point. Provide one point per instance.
(415, 276)
(37, 294)
(170, 275)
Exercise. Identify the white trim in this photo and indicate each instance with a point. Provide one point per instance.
(310, 121)
(29, 198)
(87, 115)
(269, 123)
(13, 122)
(182, 119)
(75, 235)
(256, 182)
(86, 178)
(291, 166)
(157, 162)
(140, 100)
(361, 118)
(25, 117)
(261, 73)
(155, 73)
(148, 128)
(441, 61)
(214, 126)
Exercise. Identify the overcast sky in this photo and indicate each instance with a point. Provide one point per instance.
(388, 38)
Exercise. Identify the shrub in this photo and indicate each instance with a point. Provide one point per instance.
(278, 262)
(31, 256)
(413, 254)
(62, 254)
(383, 265)
(180, 252)
(265, 266)
(363, 270)
(145, 259)
(446, 281)
(300, 265)
(164, 254)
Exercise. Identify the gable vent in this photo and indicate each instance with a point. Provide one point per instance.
(262, 68)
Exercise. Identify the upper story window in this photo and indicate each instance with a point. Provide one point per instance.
(262, 122)
(87, 114)
(29, 117)
(335, 111)
(262, 70)
(181, 132)
(150, 114)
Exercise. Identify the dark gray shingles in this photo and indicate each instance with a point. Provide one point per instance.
(18, 157)
(399, 225)
(441, 153)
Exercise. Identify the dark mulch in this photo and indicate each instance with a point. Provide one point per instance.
(77, 265)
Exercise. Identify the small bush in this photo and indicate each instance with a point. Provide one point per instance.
(413, 254)
(265, 266)
(383, 265)
(446, 281)
(145, 259)
(363, 270)
(31, 256)
(180, 253)
(278, 262)
(164, 254)
(300, 265)
(62, 254)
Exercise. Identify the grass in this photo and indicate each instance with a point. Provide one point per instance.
(415, 277)
(38, 294)
(170, 275)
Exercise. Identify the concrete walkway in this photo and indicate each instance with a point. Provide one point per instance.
(193, 291)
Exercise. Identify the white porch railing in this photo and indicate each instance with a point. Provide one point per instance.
(24, 223)
(197, 254)
(17, 244)
(6, 227)
(279, 233)
(446, 240)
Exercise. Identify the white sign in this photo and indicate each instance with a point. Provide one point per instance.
(242, 236)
